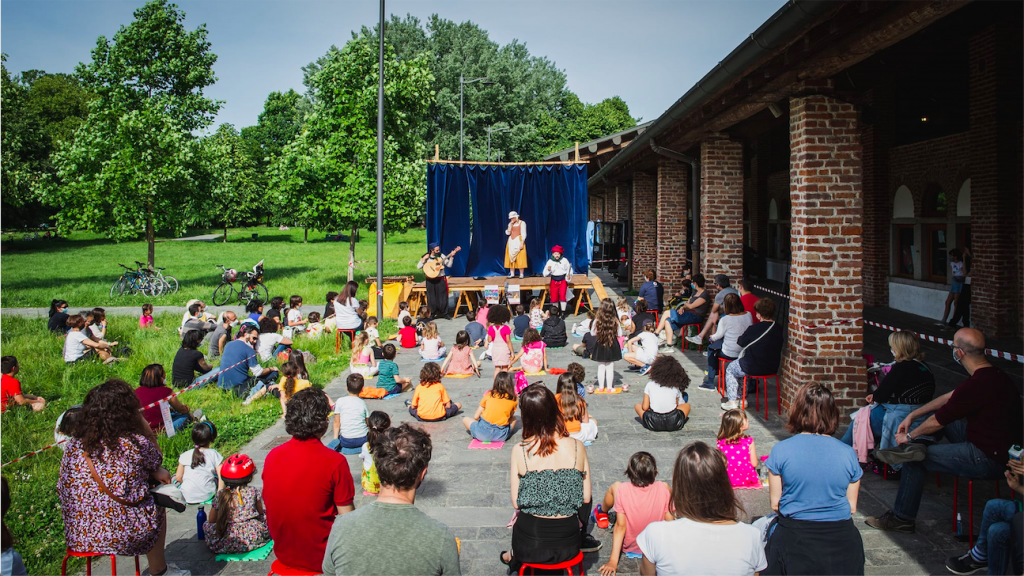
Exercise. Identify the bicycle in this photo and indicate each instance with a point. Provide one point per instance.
(170, 282)
(253, 288)
(134, 281)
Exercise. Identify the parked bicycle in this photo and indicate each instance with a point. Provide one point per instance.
(253, 288)
(157, 274)
(135, 281)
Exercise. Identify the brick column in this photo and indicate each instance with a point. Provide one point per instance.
(622, 202)
(877, 139)
(645, 226)
(825, 277)
(721, 207)
(673, 199)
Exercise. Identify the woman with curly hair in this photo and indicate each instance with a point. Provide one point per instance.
(665, 407)
(104, 480)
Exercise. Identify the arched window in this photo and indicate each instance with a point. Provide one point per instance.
(934, 201)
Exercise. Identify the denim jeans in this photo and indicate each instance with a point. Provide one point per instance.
(338, 443)
(877, 415)
(994, 539)
(959, 457)
(679, 320)
(714, 353)
(179, 420)
(280, 348)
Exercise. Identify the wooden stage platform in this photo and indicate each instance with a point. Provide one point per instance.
(470, 289)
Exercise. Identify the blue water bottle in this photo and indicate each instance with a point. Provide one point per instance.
(200, 520)
(959, 525)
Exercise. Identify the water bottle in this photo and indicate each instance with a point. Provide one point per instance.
(959, 525)
(200, 520)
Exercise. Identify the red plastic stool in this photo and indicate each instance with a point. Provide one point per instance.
(88, 562)
(970, 506)
(337, 337)
(722, 362)
(685, 342)
(281, 569)
(764, 382)
(567, 566)
(656, 317)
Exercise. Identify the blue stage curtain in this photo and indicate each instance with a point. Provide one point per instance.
(552, 200)
(448, 213)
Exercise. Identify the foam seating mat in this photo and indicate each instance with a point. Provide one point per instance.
(256, 555)
(478, 445)
(458, 375)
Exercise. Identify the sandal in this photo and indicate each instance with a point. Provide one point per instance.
(501, 558)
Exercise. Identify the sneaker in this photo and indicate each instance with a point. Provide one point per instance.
(965, 564)
(645, 370)
(661, 339)
(408, 403)
(172, 570)
(890, 523)
(707, 387)
(730, 405)
(695, 340)
(704, 353)
(259, 393)
(590, 544)
(634, 368)
(909, 452)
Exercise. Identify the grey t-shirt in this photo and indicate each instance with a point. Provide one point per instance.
(720, 297)
(215, 338)
(403, 541)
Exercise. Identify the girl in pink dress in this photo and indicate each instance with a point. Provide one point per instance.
(460, 360)
(738, 449)
(499, 338)
(532, 355)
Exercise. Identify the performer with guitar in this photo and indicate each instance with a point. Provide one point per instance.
(433, 264)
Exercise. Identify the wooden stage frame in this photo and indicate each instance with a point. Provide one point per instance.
(468, 287)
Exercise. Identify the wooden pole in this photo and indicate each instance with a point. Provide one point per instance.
(577, 157)
(437, 152)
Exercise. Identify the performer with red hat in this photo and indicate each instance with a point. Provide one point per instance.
(560, 271)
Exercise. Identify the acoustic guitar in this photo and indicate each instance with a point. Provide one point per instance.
(434, 266)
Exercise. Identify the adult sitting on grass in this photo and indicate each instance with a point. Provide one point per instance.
(153, 387)
(405, 540)
(10, 387)
(239, 358)
(254, 310)
(104, 481)
(306, 485)
(58, 322)
(188, 360)
(79, 345)
(222, 334)
(196, 321)
(270, 343)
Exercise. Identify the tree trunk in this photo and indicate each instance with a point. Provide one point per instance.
(225, 233)
(150, 239)
(305, 235)
(351, 255)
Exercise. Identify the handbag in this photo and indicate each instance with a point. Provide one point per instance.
(163, 494)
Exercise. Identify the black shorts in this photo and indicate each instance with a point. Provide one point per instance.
(663, 422)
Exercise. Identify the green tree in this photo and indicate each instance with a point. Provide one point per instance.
(329, 172)
(230, 178)
(278, 124)
(133, 164)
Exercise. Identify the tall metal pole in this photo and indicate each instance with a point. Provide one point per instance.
(461, 114)
(488, 143)
(380, 168)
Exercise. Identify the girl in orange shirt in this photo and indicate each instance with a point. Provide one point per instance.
(574, 410)
(495, 419)
(430, 401)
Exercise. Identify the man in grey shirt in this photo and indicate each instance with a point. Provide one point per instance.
(722, 283)
(222, 334)
(391, 536)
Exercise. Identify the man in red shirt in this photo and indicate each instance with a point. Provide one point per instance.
(748, 299)
(305, 485)
(10, 387)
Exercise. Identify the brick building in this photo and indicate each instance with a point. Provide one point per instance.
(845, 147)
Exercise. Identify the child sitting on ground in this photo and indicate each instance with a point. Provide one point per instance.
(350, 417)
(460, 359)
(370, 327)
(408, 337)
(146, 320)
(637, 503)
(314, 328)
(584, 327)
(199, 469)
(665, 406)
(403, 312)
(533, 354)
(388, 380)
(578, 422)
(10, 387)
(431, 345)
(276, 304)
(363, 362)
(422, 318)
(291, 382)
(237, 522)
(739, 449)
(494, 420)
(378, 423)
(643, 348)
(553, 331)
(430, 401)
(293, 318)
(477, 332)
(579, 374)
(520, 323)
(536, 314)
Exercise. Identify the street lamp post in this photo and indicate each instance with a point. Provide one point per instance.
(489, 129)
(462, 111)
(380, 166)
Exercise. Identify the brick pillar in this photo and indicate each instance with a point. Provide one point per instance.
(673, 199)
(622, 202)
(995, 297)
(645, 227)
(825, 276)
(721, 207)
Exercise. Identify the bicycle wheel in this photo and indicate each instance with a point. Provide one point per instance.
(223, 294)
(119, 287)
(260, 291)
(152, 287)
(170, 284)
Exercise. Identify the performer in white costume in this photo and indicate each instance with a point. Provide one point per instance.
(560, 271)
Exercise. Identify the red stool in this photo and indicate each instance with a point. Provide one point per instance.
(970, 505)
(764, 382)
(656, 318)
(88, 562)
(685, 342)
(337, 337)
(281, 569)
(721, 374)
(567, 566)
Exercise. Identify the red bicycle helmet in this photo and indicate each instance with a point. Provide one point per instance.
(237, 467)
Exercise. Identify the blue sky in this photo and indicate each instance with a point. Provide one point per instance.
(647, 52)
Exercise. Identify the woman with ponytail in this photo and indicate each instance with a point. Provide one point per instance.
(237, 523)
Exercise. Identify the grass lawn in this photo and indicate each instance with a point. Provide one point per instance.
(34, 516)
(82, 269)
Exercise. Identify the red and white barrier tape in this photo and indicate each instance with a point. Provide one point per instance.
(994, 353)
(780, 294)
(203, 380)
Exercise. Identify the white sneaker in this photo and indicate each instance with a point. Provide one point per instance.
(511, 274)
(695, 340)
(662, 340)
(731, 405)
(172, 570)
(520, 274)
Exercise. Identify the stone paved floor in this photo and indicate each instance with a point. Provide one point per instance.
(469, 489)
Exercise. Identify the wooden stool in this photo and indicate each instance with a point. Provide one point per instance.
(337, 337)
(567, 566)
(764, 382)
(88, 562)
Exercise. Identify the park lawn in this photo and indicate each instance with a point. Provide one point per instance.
(82, 269)
(34, 516)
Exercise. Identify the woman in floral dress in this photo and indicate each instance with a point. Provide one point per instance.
(111, 511)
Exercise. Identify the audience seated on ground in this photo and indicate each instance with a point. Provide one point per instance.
(638, 503)
(388, 380)
(494, 420)
(78, 344)
(58, 321)
(430, 401)
(574, 411)
(238, 359)
(189, 360)
(460, 360)
(10, 388)
(553, 330)
(533, 355)
(351, 417)
(222, 334)
(665, 407)
(476, 330)
(520, 322)
(153, 387)
(641, 317)
(643, 348)
(270, 343)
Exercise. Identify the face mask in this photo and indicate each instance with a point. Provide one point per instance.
(955, 359)
(893, 352)
(235, 323)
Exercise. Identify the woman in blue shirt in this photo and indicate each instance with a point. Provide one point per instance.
(813, 482)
